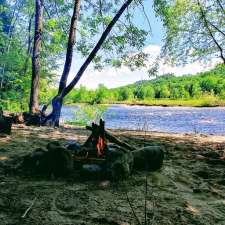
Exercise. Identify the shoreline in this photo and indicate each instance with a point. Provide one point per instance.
(160, 103)
(157, 134)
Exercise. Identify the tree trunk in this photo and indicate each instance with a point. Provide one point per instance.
(55, 114)
(53, 118)
(71, 42)
(29, 47)
(34, 95)
(96, 49)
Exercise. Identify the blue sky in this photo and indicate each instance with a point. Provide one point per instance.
(156, 23)
(112, 77)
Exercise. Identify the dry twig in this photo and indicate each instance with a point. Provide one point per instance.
(132, 209)
(29, 208)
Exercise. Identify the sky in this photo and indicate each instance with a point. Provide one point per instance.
(112, 77)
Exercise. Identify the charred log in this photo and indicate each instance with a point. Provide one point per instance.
(111, 138)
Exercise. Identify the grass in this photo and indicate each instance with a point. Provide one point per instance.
(87, 114)
(209, 101)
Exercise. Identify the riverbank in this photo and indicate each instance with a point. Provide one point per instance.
(208, 101)
(187, 190)
(205, 102)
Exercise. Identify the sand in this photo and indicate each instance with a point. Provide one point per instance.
(189, 189)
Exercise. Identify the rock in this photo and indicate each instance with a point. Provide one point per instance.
(5, 124)
(31, 162)
(92, 171)
(74, 146)
(119, 163)
(57, 161)
(148, 158)
(32, 119)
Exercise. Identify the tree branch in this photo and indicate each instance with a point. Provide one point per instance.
(96, 49)
(203, 16)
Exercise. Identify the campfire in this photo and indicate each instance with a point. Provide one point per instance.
(102, 155)
(99, 138)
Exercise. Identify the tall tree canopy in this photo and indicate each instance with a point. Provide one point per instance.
(17, 23)
(195, 29)
(92, 26)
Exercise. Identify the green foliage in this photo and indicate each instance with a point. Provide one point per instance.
(88, 113)
(100, 95)
(15, 55)
(196, 89)
(125, 94)
(190, 36)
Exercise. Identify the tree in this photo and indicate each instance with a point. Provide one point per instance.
(54, 116)
(12, 55)
(195, 30)
(125, 94)
(100, 94)
(71, 42)
(16, 38)
(164, 91)
(35, 81)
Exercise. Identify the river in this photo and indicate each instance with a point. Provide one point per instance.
(207, 120)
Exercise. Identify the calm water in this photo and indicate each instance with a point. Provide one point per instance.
(162, 119)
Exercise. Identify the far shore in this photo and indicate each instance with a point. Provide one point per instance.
(166, 103)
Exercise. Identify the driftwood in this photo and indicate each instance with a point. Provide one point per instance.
(108, 136)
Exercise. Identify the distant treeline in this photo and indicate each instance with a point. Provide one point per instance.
(203, 89)
(202, 85)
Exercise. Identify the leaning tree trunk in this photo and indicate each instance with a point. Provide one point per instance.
(34, 95)
(57, 101)
(70, 44)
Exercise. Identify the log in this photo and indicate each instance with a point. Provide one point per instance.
(89, 160)
(113, 139)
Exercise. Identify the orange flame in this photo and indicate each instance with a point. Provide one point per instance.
(100, 147)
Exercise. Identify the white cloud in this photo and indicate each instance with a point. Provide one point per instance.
(112, 77)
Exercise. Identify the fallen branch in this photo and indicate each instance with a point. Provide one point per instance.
(89, 160)
(28, 209)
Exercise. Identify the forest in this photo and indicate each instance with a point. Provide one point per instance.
(142, 158)
(204, 89)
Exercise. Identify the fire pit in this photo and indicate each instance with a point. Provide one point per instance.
(102, 155)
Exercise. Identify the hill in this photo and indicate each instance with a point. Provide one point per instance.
(202, 89)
